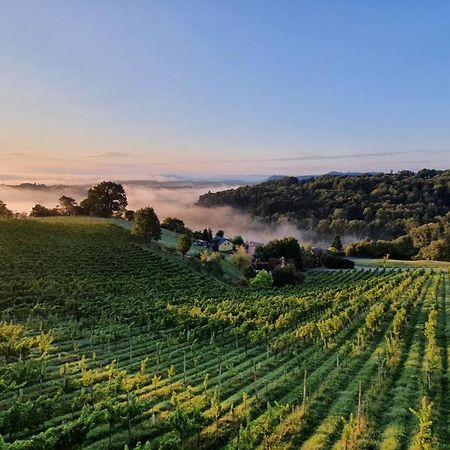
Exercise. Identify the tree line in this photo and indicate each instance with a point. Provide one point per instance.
(430, 241)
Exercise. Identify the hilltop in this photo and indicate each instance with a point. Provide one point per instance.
(367, 205)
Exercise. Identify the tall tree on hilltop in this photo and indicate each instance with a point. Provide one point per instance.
(107, 199)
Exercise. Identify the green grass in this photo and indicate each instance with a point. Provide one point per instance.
(169, 240)
(373, 262)
(230, 272)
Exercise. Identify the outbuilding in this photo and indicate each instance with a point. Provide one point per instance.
(221, 244)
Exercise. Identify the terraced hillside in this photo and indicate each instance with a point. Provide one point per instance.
(106, 343)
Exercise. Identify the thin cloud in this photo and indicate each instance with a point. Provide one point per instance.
(110, 155)
(22, 154)
(297, 158)
(321, 157)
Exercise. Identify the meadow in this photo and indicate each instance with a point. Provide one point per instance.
(397, 263)
(109, 343)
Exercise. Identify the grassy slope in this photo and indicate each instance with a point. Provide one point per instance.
(369, 262)
(169, 240)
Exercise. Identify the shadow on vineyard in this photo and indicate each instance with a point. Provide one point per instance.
(109, 343)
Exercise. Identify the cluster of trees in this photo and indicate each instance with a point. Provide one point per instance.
(106, 199)
(210, 262)
(176, 225)
(323, 258)
(429, 241)
(304, 257)
(147, 227)
(375, 206)
(288, 248)
(400, 248)
(205, 235)
(296, 259)
(4, 211)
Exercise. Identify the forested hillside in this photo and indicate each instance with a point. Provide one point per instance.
(375, 206)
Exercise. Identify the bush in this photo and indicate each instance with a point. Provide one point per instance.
(333, 262)
(249, 272)
(287, 275)
(325, 259)
(262, 280)
(240, 258)
(242, 282)
(335, 252)
(211, 262)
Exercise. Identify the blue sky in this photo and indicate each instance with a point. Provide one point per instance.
(142, 88)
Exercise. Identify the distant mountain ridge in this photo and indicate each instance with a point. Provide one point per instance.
(332, 173)
(169, 184)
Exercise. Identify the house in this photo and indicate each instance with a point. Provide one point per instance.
(221, 244)
(201, 242)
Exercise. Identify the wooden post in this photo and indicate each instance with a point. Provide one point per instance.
(304, 388)
(359, 399)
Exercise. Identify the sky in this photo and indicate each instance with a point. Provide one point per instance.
(220, 88)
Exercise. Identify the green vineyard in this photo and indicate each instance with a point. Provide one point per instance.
(109, 343)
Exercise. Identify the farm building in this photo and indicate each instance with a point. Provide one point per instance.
(221, 244)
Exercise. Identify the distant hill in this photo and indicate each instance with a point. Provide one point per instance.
(156, 184)
(333, 173)
(363, 205)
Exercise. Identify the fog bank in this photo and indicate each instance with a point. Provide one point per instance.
(167, 200)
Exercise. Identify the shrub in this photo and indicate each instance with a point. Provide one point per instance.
(286, 275)
(262, 280)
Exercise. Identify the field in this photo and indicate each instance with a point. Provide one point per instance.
(107, 343)
(374, 262)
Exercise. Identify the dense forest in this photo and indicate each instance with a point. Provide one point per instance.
(382, 206)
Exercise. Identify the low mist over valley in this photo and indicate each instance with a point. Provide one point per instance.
(168, 197)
